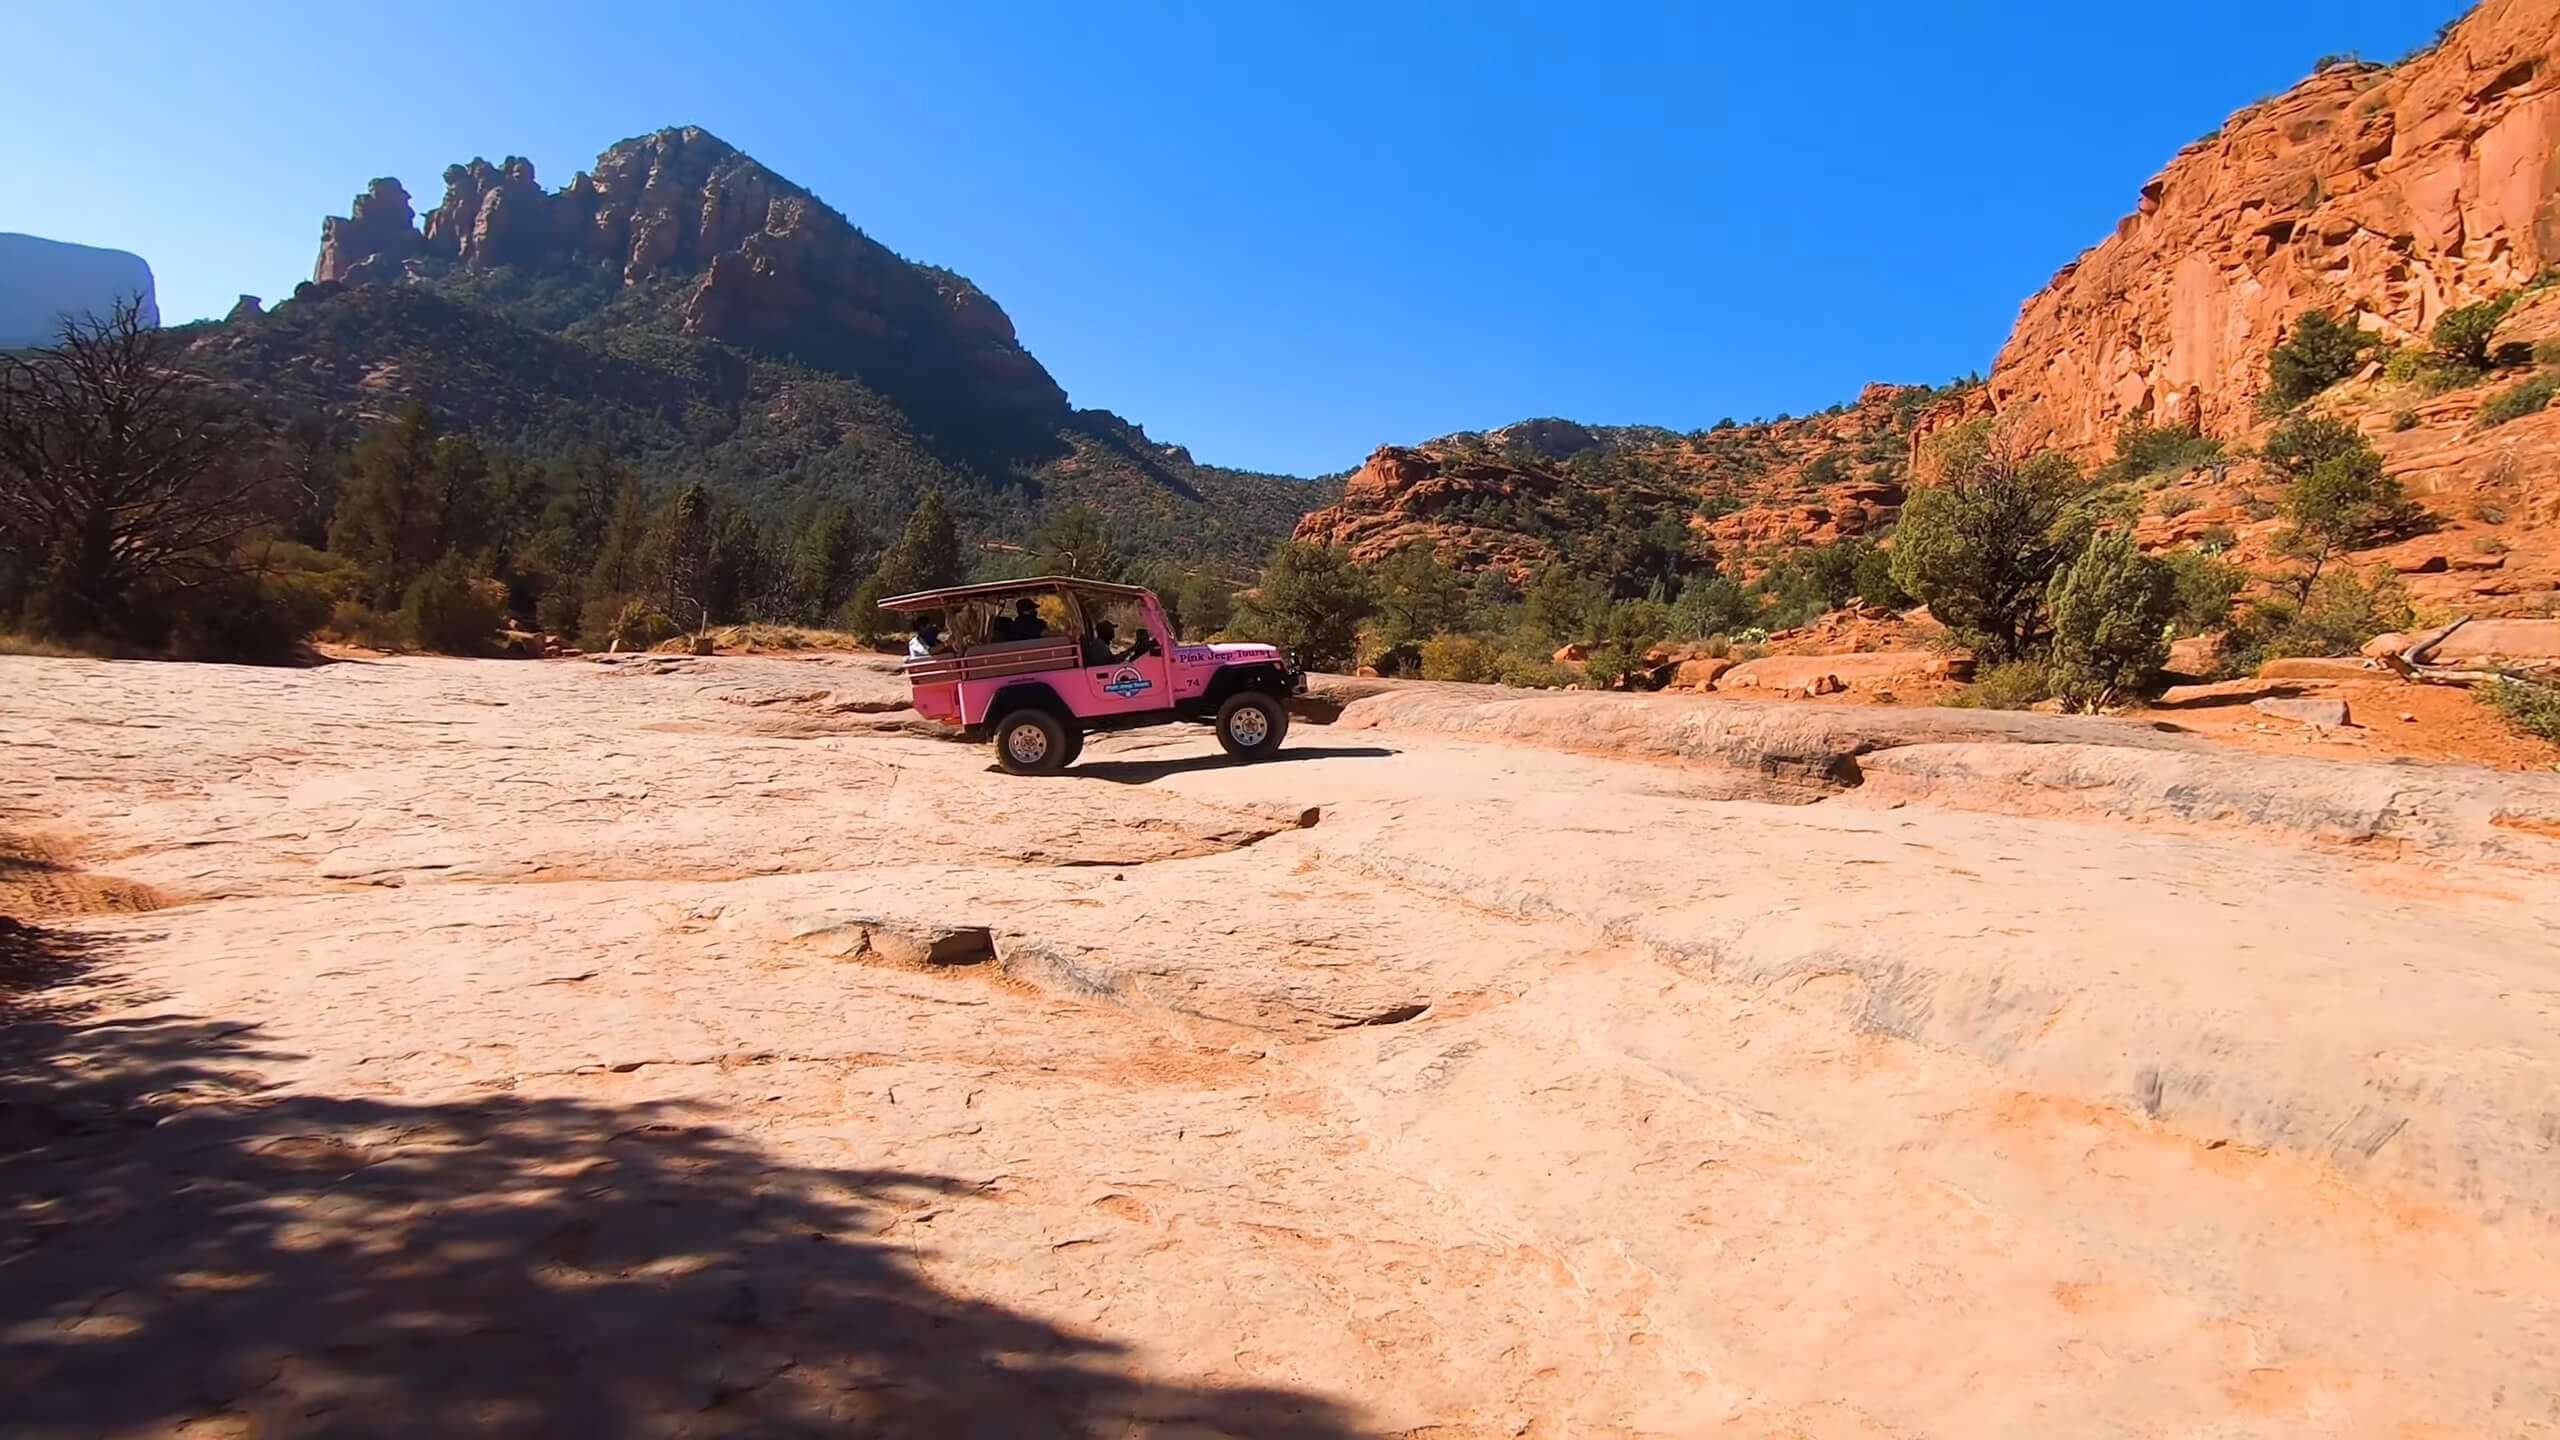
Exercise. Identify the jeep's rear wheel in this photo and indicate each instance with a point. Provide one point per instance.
(1250, 725)
(1031, 742)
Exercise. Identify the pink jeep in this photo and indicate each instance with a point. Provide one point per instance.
(1037, 664)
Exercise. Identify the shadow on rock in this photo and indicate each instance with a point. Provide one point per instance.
(178, 1245)
(1141, 772)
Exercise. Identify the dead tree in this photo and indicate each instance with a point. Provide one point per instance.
(121, 475)
(2415, 661)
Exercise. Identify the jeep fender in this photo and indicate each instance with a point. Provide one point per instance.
(1270, 677)
(1029, 695)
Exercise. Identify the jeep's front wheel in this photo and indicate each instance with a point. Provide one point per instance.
(1031, 742)
(1250, 725)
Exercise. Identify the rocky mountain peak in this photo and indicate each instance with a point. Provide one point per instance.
(1548, 439)
(771, 267)
(380, 230)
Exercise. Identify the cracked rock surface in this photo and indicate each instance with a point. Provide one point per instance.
(695, 1048)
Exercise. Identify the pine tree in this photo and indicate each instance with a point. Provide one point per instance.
(616, 572)
(1418, 596)
(2111, 612)
(1310, 603)
(927, 556)
(1076, 541)
(412, 496)
(736, 574)
(683, 552)
(1981, 547)
(2318, 354)
(823, 564)
(2339, 496)
(385, 514)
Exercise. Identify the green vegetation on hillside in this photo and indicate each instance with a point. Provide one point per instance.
(2462, 337)
(1310, 603)
(2529, 397)
(2028, 562)
(202, 524)
(2337, 495)
(546, 366)
(2147, 452)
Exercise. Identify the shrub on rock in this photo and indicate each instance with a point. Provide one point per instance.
(1981, 547)
(2318, 353)
(2529, 706)
(2111, 613)
(448, 610)
(1461, 657)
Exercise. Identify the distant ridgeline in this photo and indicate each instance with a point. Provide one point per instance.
(43, 282)
(706, 319)
(1638, 507)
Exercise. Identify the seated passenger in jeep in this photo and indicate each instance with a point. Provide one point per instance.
(1099, 646)
(1024, 624)
(1097, 643)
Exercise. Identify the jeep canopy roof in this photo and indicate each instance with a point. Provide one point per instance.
(937, 599)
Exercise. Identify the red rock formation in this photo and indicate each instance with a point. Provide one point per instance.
(2389, 194)
(1769, 486)
(368, 243)
(776, 267)
(1404, 496)
(498, 216)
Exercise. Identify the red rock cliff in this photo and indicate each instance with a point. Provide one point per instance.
(2388, 193)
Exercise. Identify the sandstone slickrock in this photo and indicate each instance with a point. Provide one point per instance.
(2010, 761)
(2530, 642)
(1699, 674)
(1768, 752)
(1523, 1093)
(2309, 712)
(1831, 672)
(2319, 667)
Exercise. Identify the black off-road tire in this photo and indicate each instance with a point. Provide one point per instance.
(1075, 747)
(1031, 742)
(1251, 725)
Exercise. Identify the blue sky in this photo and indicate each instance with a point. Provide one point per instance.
(1280, 235)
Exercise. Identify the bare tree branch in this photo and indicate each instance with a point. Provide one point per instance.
(119, 471)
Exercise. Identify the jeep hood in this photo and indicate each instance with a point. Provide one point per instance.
(1234, 653)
